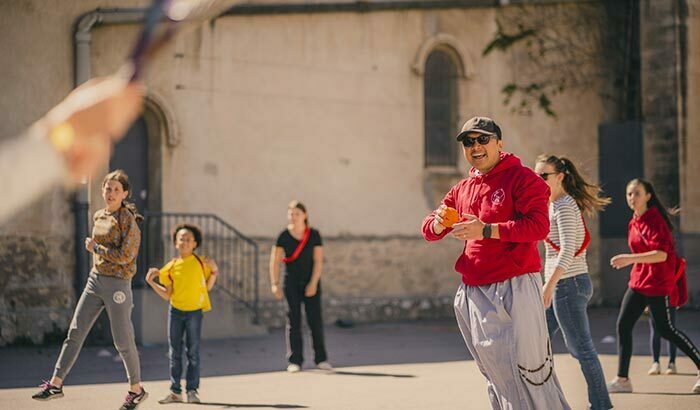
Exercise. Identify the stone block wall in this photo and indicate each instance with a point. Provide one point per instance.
(36, 288)
(369, 279)
(661, 76)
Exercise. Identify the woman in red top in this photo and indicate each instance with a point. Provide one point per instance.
(651, 281)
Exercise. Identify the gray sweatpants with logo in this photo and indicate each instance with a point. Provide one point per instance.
(504, 327)
(113, 294)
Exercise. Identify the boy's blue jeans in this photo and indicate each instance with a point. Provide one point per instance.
(188, 324)
(568, 313)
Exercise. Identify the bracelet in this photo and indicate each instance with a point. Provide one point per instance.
(214, 272)
(62, 137)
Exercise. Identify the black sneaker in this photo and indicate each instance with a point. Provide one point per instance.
(48, 392)
(132, 399)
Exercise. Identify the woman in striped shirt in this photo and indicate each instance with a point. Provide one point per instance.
(568, 287)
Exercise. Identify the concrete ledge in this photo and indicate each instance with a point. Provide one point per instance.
(227, 319)
(368, 310)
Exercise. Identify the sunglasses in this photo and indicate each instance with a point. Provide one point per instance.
(544, 175)
(482, 139)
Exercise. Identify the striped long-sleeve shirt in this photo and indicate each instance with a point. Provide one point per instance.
(567, 231)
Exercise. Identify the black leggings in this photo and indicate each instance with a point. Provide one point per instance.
(632, 307)
(294, 292)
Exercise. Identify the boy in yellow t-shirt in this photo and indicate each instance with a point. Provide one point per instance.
(185, 282)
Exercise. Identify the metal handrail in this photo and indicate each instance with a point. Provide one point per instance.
(235, 253)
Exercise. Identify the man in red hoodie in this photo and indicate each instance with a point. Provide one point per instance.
(499, 309)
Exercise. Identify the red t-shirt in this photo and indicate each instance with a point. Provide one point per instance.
(650, 232)
(517, 200)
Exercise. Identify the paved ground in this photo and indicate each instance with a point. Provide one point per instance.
(420, 365)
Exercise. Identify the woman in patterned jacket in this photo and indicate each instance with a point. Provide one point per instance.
(114, 245)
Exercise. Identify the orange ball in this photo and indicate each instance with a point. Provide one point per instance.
(450, 218)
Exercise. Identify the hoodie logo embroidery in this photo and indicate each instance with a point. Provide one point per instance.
(498, 196)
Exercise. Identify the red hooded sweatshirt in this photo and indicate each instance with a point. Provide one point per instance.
(647, 233)
(514, 198)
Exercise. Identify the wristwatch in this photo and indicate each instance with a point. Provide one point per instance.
(486, 232)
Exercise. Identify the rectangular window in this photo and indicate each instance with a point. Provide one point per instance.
(440, 96)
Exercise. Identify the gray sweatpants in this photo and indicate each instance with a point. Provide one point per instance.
(115, 295)
(504, 327)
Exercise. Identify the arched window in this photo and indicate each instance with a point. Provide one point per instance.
(440, 96)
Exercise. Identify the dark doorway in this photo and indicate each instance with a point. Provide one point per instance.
(621, 159)
(131, 155)
(621, 156)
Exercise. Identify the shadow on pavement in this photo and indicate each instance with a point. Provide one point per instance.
(372, 374)
(254, 406)
(643, 393)
(364, 345)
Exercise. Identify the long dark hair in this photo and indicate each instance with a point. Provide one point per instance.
(587, 195)
(654, 200)
(298, 205)
(120, 176)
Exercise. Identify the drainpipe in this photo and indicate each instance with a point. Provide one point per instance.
(81, 199)
(83, 34)
(370, 6)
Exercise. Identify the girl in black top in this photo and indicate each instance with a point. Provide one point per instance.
(301, 249)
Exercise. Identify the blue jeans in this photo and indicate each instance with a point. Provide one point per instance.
(188, 324)
(568, 313)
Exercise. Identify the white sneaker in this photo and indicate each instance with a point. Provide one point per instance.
(671, 368)
(324, 366)
(192, 397)
(171, 398)
(619, 386)
(655, 369)
(696, 388)
(293, 368)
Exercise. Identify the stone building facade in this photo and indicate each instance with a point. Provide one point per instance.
(327, 104)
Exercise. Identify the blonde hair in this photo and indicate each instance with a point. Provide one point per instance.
(298, 205)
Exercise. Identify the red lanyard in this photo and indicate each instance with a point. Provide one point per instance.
(299, 248)
(584, 245)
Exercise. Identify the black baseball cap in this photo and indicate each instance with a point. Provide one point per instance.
(482, 125)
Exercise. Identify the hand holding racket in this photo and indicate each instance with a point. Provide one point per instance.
(173, 14)
(99, 112)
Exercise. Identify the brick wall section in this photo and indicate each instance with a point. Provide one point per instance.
(364, 310)
(36, 288)
(660, 110)
(373, 278)
(663, 39)
(690, 150)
